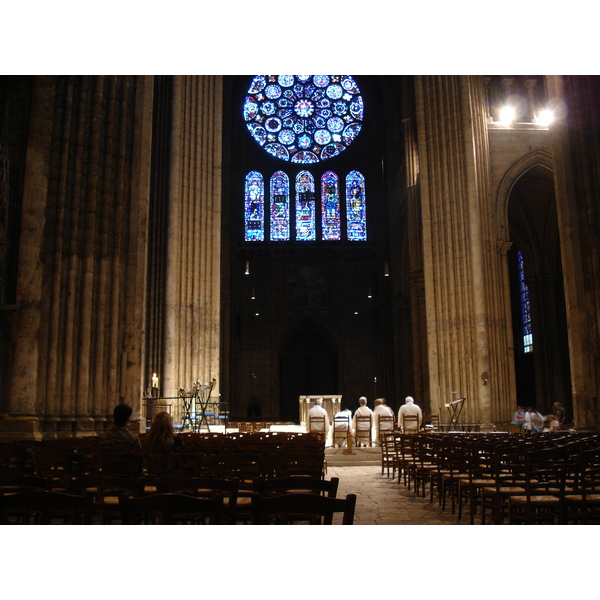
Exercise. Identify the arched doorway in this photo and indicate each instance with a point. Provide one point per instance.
(542, 361)
(308, 366)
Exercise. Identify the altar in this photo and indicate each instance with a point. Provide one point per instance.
(332, 404)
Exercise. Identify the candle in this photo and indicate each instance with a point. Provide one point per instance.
(154, 380)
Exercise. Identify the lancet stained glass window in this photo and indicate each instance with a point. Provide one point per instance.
(525, 307)
(356, 208)
(303, 118)
(330, 207)
(254, 207)
(280, 207)
(305, 206)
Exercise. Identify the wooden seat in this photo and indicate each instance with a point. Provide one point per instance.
(316, 425)
(545, 480)
(582, 506)
(43, 507)
(341, 427)
(285, 485)
(12, 484)
(205, 487)
(389, 456)
(103, 493)
(362, 432)
(122, 463)
(62, 465)
(171, 509)
(299, 508)
(431, 422)
(410, 424)
(385, 425)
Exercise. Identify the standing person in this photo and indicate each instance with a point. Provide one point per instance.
(317, 410)
(534, 421)
(381, 409)
(362, 411)
(119, 435)
(161, 436)
(409, 408)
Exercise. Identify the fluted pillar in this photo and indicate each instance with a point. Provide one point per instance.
(81, 274)
(467, 325)
(192, 321)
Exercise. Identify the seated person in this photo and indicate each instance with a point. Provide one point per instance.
(342, 425)
(381, 409)
(362, 411)
(119, 435)
(317, 410)
(161, 436)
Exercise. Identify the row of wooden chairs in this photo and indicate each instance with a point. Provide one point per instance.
(552, 478)
(113, 499)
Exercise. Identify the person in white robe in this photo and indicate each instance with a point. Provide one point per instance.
(362, 411)
(410, 408)
(381, 409)
(317, 410)
(340, 426)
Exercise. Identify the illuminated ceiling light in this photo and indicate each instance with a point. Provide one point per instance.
(508, 114)
(247, 272)
(545, 117)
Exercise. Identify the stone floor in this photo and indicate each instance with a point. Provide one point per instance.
(380, 500)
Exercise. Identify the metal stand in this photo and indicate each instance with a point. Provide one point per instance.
(196, 404)
(455, 408)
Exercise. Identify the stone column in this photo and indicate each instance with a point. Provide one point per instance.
(192, 327)
(466, 317)
(575, 142)
(24, 404)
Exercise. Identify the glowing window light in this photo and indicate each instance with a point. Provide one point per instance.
(508, 114)
(545, 117)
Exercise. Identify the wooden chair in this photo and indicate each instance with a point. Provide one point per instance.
(582, 505)
(12, 484)
(316, 425)
(43, 507)
(60, 464)
(205, 487)
(287, 485)
(362, 431)
(389, 454)
(298, 508)
(341, 427)
(103, 492)
(171, 509)
(300, 464)
(431, 422)
(385, 425)
(545, 480)
(121, 463)
(410, 424)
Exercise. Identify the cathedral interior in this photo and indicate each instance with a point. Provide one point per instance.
(378, 236)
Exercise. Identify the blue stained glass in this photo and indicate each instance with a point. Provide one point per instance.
(318, 106)
(356, 207)
(525, 307)
(254, 207)
(305, 207)
(330, 207)
(280, 207)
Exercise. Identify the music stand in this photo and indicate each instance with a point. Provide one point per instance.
(455, 408)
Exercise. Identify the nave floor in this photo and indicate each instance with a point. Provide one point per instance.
(382, 501)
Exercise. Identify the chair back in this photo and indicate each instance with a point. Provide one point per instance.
(410, 423)
(299, 508)
(170, 509)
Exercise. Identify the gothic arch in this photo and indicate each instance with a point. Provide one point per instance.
(513, 174)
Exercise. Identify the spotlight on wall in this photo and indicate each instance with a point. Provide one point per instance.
(253, 296)
(544, 117)
(507, 114)
(386, 270)
(247, 272)
(369, 293)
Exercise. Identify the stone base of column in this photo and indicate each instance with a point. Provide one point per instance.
(20, 428)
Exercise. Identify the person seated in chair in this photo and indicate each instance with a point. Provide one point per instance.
(362, 411)
(317, 410)
(119, 435)
(409, 408)
(161, 436)
(343, 426)
(381, 408)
